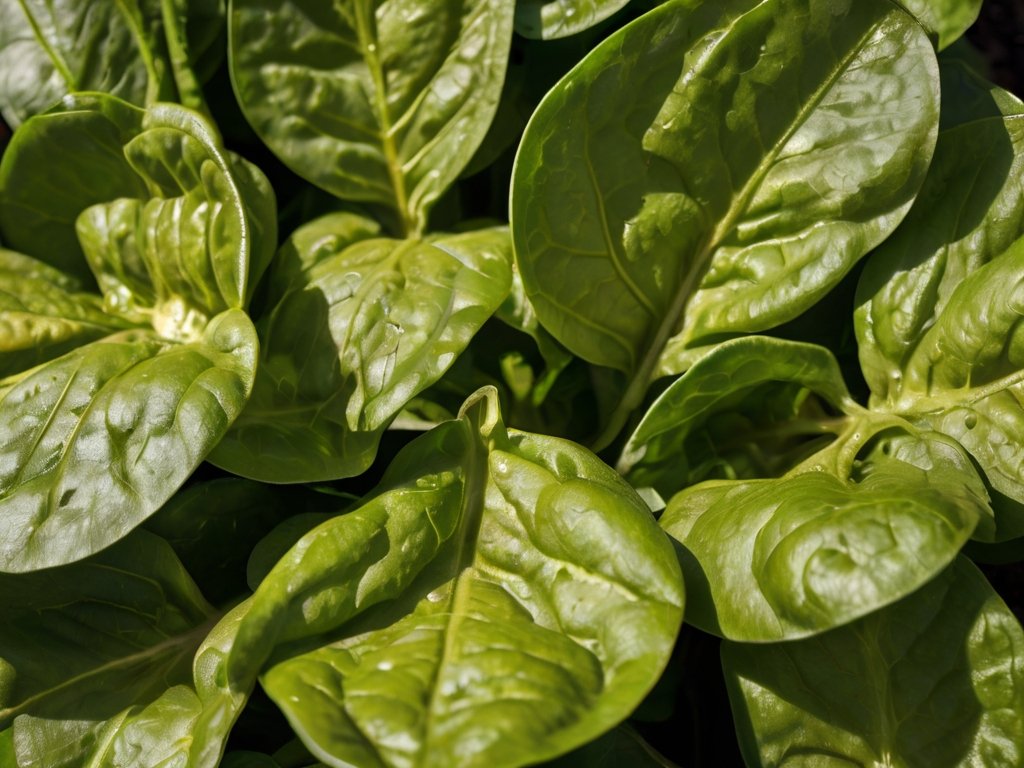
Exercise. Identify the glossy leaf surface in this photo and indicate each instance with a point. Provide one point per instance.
(358, 327)
(939, 303)
(382, 102)
(549, 19)
(95, 441)
(934, 681)
(172, 230)
(42, 315)
(837, 538)
(723, 412)
(714, 168)
(948, 19)
(504, 597)
(49, 49)
(137, 586)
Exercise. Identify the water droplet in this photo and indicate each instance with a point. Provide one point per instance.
(971, 421)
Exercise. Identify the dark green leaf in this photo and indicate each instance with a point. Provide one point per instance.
(49, 48)
(714, 168)
(42, 316)
(549, 19)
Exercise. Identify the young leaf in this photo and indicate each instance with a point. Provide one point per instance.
(833, 540)
(95, 441)
(933, 681)
(714, 168)
(42, 315)
(503, 597)
(353, 337)
(176, 231)
(743, 395)
(370, 101)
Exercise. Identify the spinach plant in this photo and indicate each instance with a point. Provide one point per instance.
(379, 381)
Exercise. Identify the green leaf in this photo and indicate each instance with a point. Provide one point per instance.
(354, 336)
(714, 168)
(739, 406)
(550, 19)
(863, 523)
(371, 101)
(934, 681)
(967, 96)
(50, 48)
(176, 231)
(184, 725)
(95, 441)
(939, 304)
(138, 587)
(42, 315)
(213, 527)
(948, 19)
(502, 598)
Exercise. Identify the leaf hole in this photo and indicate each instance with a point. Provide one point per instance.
(66, 497)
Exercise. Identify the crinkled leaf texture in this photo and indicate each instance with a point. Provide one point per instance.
(150, 694)
(359, 325)
(92, 443)
(933, 681)
(382, 102)
(939, 304)
(863, 523)
(734, 413)
(43, 314)
(49, 49)
(172, 227)
(550, 19)
(948, 19)
(502, 598)
(714, 168)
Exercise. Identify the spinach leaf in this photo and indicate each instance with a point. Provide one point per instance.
(49, 49)
(368, 100)
(358, 327)
(502, 598)
(186, 724)
(871, 518)
(948, 19)
(43, 315)
(92, 443)
(549, 19)
(933, 681)
(176, 231)
(713, 169)
(939, 303)
(735, 412)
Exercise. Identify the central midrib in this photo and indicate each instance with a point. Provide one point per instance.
(640, 381)
(368, 44)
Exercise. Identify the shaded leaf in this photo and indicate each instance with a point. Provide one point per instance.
(933, 681)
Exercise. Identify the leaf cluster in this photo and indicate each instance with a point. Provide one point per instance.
(492, 383)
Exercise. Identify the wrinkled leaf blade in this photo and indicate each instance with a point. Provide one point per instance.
(354, 337)
(370, 101)
(94, 442)
(933, 681)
